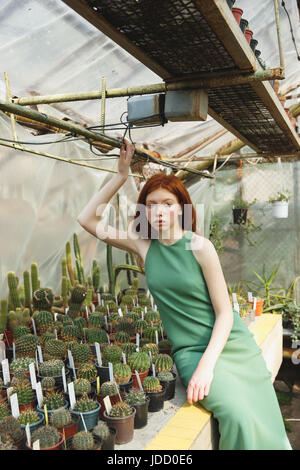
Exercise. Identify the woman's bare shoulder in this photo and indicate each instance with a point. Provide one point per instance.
(201, 246)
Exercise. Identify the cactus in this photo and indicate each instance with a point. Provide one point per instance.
(127, 300)
(107, 296)
(150, 333)
(135, 283)
(96, 275)
(81, 353)
(135, 396)
(3, 315)
(64, 290)
(122, 337)
(53, 400)
(79, 264)
(96, 336)
(165, 376)
(122, 373)
(152, 348)
(47, 435)
(144, 301)
(51, 368)
(77, 297)
(121, 409)
(42, 299)
(96, 320)
(48, 383)
(13, 289)
(21, 330)
(34, 277)
(27, 291)
(128, 349)
(70, 333)
(60, 418)
(44, 319)
(87, 371)
(112, 353)
(132, 316)
(128, 273)
(152, 316)
(101, 431)
(109, 389)
(130, 291)
(89, 297)
(139, 361)
(22, 363)
(28, 417)
(138, 310)
(54, 349)
(83, 440)
(11, 426)
(69, 263)
(4, 410)
(163, 363)
(26, 318)
(101, 309)
(26, 345)
(85, 404)
(24, 392)
(165, 344)
(140, 325)
(21, 293)
(151, 384)
(126, 325)
(82, 386)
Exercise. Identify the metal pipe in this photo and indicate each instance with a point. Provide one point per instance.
(213, 80)
(281, 55)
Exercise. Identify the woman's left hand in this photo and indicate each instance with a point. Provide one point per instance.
(199, 384)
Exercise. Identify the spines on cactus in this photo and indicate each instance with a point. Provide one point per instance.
(163, 363)
(121, 409)
(122, 373)
(101, 430)
(151, 384)
(85, 404)
(87, 371)
(11, 426)
(139, 361)
(83, 440)
(60, 418)
(48, 436)
(28, 417)
(135, 396)
(54, 400)
(3, 315)
(51, 368)
(82, 386)
(109, 389)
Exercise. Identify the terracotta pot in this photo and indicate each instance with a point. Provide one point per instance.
(70, 429)
(28, 406)
(259, 307)
(113, 399)
(56, 447)
(8, 338)
(142, 376)
(237, 13)
(248, 35)
(123, 426)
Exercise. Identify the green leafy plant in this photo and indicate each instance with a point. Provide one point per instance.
(216, 234)
(264, 284)
(281, 196)
(244, 229)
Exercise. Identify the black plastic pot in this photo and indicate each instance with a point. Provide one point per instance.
(103, 373)
(239, 216)
(141, 415)
(230, 3)
(109, 443)
(243, 25)
(156, 400)
(169, 386)
(257, 53)
(253, 44)
(124, 388)
(58, 378)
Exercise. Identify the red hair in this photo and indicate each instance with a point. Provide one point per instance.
(188, 219)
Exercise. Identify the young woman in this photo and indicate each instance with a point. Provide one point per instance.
(215, 354)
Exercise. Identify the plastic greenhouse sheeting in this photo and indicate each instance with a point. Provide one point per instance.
(46, 48)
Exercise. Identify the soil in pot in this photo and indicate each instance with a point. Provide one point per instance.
(124, 427)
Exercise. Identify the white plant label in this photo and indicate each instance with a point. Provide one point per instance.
(111, 373)
(124, 358)
(148, 293)
(156, 337)
(71, 361)
(2, 351)
(145, 309)
(142, 315)
(55, 332)
(138, 380)
(55, 316)
(39, 349)
(250, 297)
(107, 403)
(39, 394)
(9, 391)
(87, 312)
(150, 354)
(137, 342)
(98, 353)
(236, 307)
(82, 418)
(63, 373)
(14, 351)
(93, 307)
(120, 312)
(151, 298)
(36, 445)
(99, 299)
(5, 371)
(155, 308)
(28, 435)
(14, 405)
(66, 310)
(71, 394)
(32, 375)
(254, 303)
(33, 325)
(108, 338)
(153, 371)
(105, 320)
(162, 333)
(234, 299)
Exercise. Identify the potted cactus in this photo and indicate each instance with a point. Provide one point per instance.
(110, 389)
(168, 380)
(84, 440)
(26, 396)
(151, 347)
(64, 422)
(121, 417)
(111, 353)
(31, 417)
(106, 434)
(26, 345)
(280, 206)
(165, 346)
(87, 409)
(54, 401)
(140, 362)
(49, 438)
(163, 363)
(22, 363)
(10, 426)
(140, 401)
(122, 375)
(156, 392)
(53, 368)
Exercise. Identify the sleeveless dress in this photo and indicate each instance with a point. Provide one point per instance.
(241, 397)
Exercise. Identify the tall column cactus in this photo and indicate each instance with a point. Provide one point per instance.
(26, 281)
(34, 278)
(69, 263)
(79, 263)
(13, 289)
(64, 290)
(3, 316)
(96, 275)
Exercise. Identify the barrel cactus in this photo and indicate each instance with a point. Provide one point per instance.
(21, 330)
(24, 392)
(135, 396)
(82, 386)
(85, 404)
(95, 335)
(128, 349)
(122, 337)
(78, 295)
(43, 320)
(151, 384)
(28, 417)
(152, 316)
(48, 436)
(122, 373)
(54, 400)
(150, 333)
(132, 316)
(70, 333)
(48, 383)
(4, 410)
(26, 345)
(163, 362)
(80, 323)
(21, 363)
(81, 353)
(139, 361)
(121, 409)
(101, 430)
(83, 440)
(11, 426)
(152, 347)
(164, 344)
(127, 300)
(54, 349)
(87, 371)
(60, 418)
(42, 299)
(165, 376)
(51, 368)
(140, 325)
(109, 389)
(96, 320)
(112, 353)
(125, 324)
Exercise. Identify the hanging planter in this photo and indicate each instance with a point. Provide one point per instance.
(280, 205)
(240, 210)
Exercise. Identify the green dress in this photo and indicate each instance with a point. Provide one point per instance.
(241, 397)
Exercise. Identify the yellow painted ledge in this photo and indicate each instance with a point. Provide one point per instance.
(184, 427)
